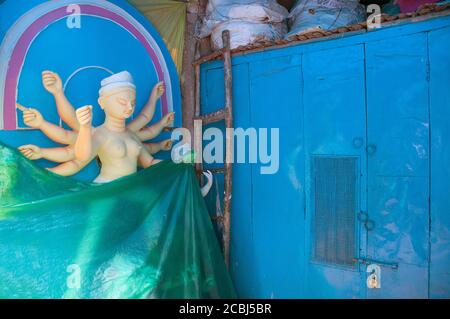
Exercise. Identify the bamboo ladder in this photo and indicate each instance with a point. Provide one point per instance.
(225, 114)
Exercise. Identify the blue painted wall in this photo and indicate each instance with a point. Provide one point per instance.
(380, 99)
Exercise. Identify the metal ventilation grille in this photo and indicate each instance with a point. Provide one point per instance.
(334, 187)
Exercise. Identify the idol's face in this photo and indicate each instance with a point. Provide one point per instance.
(118, 103)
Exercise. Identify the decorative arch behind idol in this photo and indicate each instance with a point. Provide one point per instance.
(106, 36)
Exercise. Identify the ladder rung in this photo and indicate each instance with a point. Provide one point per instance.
(219, 170)
(212, 117)
(169, 129)
(217, 219)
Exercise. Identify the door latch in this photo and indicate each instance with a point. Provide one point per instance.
(374, 278)
(368, 261)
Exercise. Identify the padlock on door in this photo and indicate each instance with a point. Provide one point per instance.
(374, 278)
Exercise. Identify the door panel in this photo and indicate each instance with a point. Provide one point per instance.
(398, 164)
(334, 113)
(399, 210)
(439, 52)
(397, 96)
(278, 205)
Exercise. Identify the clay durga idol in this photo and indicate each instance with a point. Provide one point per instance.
(119, 146)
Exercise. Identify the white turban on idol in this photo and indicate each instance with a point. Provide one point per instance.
(121, 79)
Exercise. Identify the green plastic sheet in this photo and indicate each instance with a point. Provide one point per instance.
(147, 235)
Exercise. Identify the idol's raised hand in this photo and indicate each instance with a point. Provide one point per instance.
(158, 90)
(52, 82)
(84, 115)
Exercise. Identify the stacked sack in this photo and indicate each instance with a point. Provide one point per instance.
(307, 15)
(248, 21)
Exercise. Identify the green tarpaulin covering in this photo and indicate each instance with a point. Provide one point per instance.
(147, 235)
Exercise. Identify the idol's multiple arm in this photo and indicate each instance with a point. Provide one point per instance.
(53, 84)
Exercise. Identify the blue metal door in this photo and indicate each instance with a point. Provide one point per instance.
(398, 165)
(439, 53)
(278, 248)
(335, 130)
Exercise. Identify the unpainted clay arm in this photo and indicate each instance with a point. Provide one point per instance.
(68, 168)
(84, 142)
(66, 111)
(58, 154)
(54, 154)
(53, 84)
(146, 160)
(154, 148)
(154, 130)
(57, 133)
(150, 132)
(33, 118)
(148, 110)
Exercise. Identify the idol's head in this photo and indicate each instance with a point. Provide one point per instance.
(117, 96)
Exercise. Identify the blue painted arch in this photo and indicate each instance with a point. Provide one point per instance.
(87, 53)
